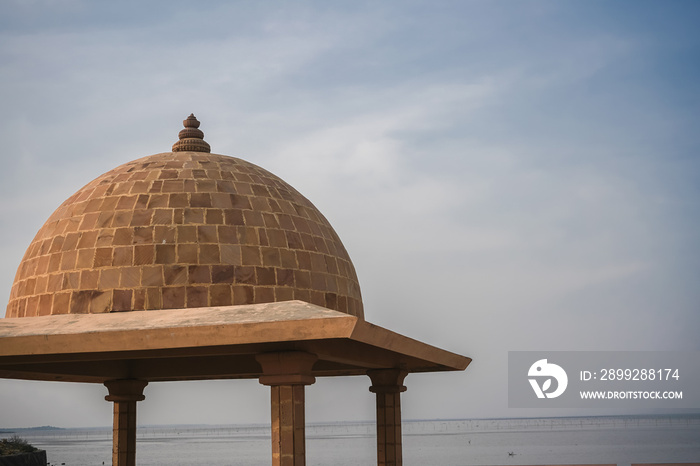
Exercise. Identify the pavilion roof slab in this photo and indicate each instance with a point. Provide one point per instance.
(205, 343)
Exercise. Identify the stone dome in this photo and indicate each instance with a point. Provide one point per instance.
(183, 229)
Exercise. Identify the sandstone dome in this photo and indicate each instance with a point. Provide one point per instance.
(183, 229)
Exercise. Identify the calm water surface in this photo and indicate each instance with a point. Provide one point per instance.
(618, 440)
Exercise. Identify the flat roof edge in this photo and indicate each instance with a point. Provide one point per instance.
(169, 329)
(345, 342)
(375, 335)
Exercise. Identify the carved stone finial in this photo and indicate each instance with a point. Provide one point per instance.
(191, 138)
(191, 121)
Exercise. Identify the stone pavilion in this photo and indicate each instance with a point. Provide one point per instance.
(188, 265)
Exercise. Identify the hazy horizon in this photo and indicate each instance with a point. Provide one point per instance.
(5, 430)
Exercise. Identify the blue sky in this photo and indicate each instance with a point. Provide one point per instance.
(505, 175)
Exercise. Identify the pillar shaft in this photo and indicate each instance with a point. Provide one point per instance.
(124, 394)
(389, 449)
(124, 434)
(287, 373)
(288, 425)
(388, 385)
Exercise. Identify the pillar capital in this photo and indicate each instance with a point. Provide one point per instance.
(125, 390)
(388, 385)
(287, 368)
(387, 380)
(124, 393)
(286, 373)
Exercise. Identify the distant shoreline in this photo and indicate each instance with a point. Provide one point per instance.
(675, 416)
(13, 430)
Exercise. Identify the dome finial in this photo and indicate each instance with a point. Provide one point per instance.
(191, 138)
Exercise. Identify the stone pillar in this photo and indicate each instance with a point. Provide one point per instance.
(388, 385)
(286, 373)
(124, 393)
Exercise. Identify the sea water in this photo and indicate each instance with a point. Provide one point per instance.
(542, 441)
